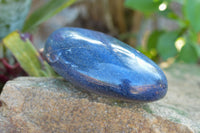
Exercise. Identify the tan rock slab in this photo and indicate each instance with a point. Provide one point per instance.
(41, 105)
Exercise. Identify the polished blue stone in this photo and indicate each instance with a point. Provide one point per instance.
(104, 65)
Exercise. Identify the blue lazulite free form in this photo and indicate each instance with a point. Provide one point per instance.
(104, 65)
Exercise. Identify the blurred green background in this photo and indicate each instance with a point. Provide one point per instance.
(167, 31)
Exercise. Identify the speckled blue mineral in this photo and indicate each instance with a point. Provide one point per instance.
(104, 65)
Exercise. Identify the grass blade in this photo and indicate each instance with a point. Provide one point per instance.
(45, 12)
(27, 56)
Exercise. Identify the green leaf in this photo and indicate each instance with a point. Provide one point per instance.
(45, 12)
(188, 54)
(12, 15)
(166, 44)
(152, 45)
(191, 12)
(197, 48)
(145, 6)
(153, 39)
(27, 56)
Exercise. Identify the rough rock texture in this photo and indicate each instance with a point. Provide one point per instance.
(53, 105)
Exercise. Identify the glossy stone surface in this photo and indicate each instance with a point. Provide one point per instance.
(104, 65)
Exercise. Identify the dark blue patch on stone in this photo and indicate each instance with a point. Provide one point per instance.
(104, 65)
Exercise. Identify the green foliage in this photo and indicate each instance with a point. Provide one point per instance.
(45, 12)
(145, 6)
(162, 42)
(153, 39)
(191, 13)
(197, 48)
(27, 56)
(166, 44)
(12, 15)
(188, 54)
